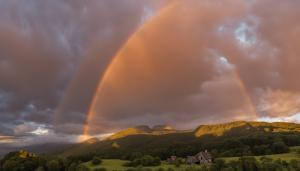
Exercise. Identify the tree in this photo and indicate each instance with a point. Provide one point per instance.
(12, 165)
(279, 147)
(53, 165)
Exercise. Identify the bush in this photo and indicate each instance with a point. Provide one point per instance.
(144, 161)
(179, 162)
(295, 164)
(160, 169)
(82, 168)
(249, 163)
(218, 165)
(96, 161)
(170, 169)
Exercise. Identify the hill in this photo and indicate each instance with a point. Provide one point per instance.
(143, 130)
(229, 139)
(46, 148)
(243, 126)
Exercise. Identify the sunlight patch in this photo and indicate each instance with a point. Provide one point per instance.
(40, 131)
(295, 118)
(245, 34)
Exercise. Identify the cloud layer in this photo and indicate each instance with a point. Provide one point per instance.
(203, 61)
(52, 54)
(190, 62)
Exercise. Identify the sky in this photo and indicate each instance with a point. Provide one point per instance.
(91, 67)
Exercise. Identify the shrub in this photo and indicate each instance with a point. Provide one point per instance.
(179, 162)
(170, 169)
(144, 161)
(160, 169)
(295, 164)
(82, 168)
(96, 161)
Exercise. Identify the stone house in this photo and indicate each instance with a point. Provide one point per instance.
(203, 157)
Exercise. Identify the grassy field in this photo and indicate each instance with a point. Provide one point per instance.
(112, 165)
(286, 156)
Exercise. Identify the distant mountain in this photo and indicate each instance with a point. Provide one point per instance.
(163, 140)
(143, 130)
(163, 128)
(91, 141)
(243, 127)
(214, 130)
(228, 139)
(46, 148)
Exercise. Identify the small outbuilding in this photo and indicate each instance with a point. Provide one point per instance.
(172, 160)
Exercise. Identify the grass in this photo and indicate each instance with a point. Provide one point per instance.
(285, 156)
(109, 165)
(114, 164)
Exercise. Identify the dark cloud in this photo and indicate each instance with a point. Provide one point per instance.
(193, 62)
(174, 69)
(52, 54)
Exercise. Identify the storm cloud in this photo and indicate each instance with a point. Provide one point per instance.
(145, 62)
(209, 61)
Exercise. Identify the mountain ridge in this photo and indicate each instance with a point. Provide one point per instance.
(208, 129)
(146, 140)
(143, 130)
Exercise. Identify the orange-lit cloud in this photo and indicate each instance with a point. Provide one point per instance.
(174, 58)
(195, 62)
(279, 103)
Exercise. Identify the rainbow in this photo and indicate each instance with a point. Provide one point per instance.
(99, 88)
(71, 87)
(245, 92)
(90, 112)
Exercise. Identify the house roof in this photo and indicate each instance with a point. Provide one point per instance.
(206, 155)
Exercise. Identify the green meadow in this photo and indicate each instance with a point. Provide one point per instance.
(114, 165)
(292, 155)
(117, 165)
